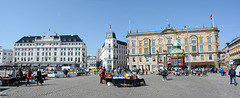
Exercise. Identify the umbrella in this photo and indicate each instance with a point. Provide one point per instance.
(7, 64)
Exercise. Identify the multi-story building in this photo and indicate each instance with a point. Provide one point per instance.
(234, 50)
(6, 55)
(200, 45)
(59, 50)
(113, 52)
(225, 55)
(91, 61)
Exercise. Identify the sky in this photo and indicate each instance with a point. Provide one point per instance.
(91, 19)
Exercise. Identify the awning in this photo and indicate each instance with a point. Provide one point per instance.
(24, 64)
(35, 64)
(43, 65)
(19, 64)
(53, 65)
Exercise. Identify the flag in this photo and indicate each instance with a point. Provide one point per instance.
(49, 29)
(54, 31)
(43, 32)
(211, 16)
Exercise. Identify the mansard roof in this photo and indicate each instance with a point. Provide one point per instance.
(64, 38)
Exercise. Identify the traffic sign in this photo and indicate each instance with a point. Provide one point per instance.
(230, 61)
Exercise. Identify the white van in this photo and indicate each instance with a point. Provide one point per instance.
(238, 71)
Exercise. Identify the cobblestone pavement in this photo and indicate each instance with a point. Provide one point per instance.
(212, 86)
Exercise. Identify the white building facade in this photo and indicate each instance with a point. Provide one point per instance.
(6, 55)
(113, 53)
(57, 51)
(91, 61)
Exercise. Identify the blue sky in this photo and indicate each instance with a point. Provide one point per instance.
(90, 19)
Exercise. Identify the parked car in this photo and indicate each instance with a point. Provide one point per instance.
(238, 71)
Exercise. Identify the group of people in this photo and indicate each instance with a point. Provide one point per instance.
(139, 71)
(28, 75)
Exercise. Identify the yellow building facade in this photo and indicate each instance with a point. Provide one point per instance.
(151, 50)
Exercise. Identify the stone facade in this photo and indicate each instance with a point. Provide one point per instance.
(201, 47)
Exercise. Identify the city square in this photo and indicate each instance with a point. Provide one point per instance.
(211, 86)
(119, 49)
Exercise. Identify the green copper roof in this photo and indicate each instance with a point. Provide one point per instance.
(176, 43)
(177, 48)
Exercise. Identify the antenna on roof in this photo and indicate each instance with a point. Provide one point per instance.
(129, 26)
(110, 27)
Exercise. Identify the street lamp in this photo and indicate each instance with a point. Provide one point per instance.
(157, 59)
(189, 58)
(165, 61)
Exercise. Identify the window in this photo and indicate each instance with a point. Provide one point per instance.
(175, 61)
(140, 43)
(187, 58)
(160, 58)
(153, 50)
(153, 58)
(133, 43)
(147, 59)
(145, 43)
(209, 48)
(109, 45)
(133, 51)
(186, 40)
(201, 48)
(109, 50)
(194, 58)
(140, 50)
(193, 40)
(160, 42)
(186, 48)
(140, 59)
(145, 50)
(210, 57)
(194, 48)
(160, 50)
(200, 40)
(209, 39)
(202, 57)
(109, 56)
(153, 42)
(169, 49)
(134, 59)
(169, 41)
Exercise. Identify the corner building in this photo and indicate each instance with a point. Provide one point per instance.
(56, 51)
(152, 50)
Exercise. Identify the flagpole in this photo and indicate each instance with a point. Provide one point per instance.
(212, 20)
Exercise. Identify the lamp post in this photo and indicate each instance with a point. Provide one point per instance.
(189, 58)
(157, 59)
(165, 61)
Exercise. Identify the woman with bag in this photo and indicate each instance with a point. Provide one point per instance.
(28, 76)
(39, 76)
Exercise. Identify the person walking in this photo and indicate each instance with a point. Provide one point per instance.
(28, 75)
(164, 75)
(232, 74)
(19, 76)
(221, 71)
(39, 77)
(102, 74)
(224, 71)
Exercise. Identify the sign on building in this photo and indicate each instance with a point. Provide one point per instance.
(230, 61)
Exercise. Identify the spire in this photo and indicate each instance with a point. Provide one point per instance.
(129, 26)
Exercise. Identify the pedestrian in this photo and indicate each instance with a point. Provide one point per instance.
(146, 71)
(221, 70)
(102, 74)
(28, 76)
(19, 76)
(14, 74)
(232, 74)
(164, 75)
(137, 71)
(39, 77)
(224, 71)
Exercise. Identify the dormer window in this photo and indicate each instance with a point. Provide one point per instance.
(64, 40)
(23, 41)
(69, 39)
(74, 40)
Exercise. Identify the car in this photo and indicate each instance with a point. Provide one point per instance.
(238, 71)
